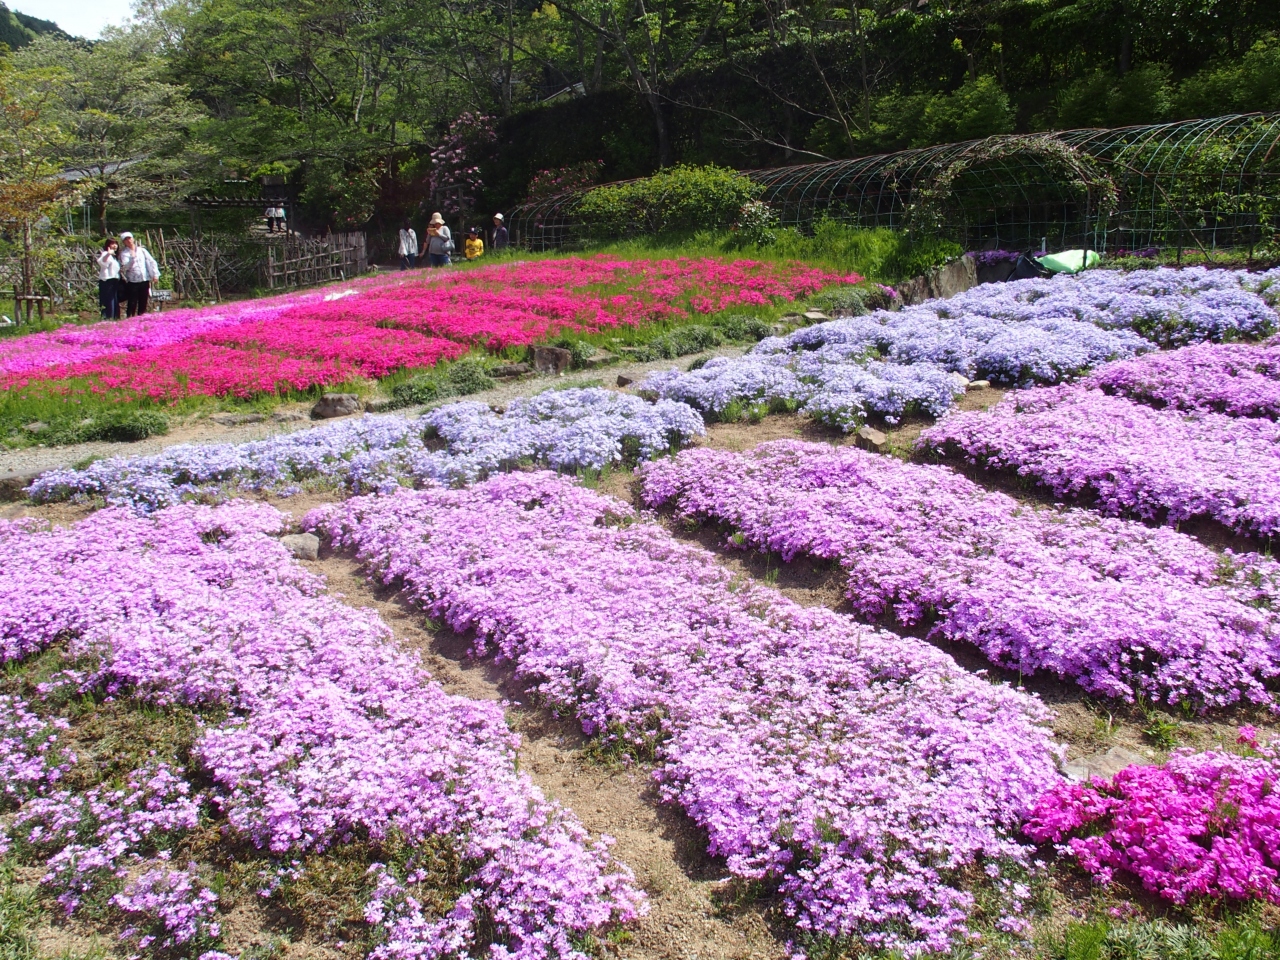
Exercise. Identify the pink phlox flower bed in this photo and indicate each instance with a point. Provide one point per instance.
(862, 774)
(1120, 608)
(1126, 457)
(1238, 379)
(374, 326)
(321, 731)
(1202, 827)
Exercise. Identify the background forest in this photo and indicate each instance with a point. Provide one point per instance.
(376, 109)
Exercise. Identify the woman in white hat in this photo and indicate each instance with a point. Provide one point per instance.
(500, 238)
(138, 270)
(439, 242)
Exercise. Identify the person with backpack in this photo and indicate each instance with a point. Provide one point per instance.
(138, 270)
(408, 246)
(439, 242)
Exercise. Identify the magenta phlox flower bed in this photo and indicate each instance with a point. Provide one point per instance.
(1202, 827)
(321, 731)
(1120, 608)
(1238, 379)
(1126, 457)
(373, 327)
(863, 774)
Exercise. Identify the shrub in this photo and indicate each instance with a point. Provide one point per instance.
(680, 343)
(681, 199)
(737, 326)
(118, 426)
(460, 379)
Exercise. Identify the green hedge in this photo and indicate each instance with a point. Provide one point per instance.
(682, 199)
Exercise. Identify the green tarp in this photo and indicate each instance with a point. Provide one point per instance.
(1069, 261)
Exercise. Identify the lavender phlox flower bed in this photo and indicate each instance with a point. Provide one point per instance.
(1202, 827)
(864, 774)
(1128, 458)
(320, 731)
(1241, 380)
(566, 429)
(30, 757)
(1120, 608)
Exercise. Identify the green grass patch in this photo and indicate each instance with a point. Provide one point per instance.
(1237, 938)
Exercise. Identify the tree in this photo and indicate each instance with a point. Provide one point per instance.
(30, 142)
(131, 134)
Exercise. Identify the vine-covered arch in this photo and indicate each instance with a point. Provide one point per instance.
(1209, 182)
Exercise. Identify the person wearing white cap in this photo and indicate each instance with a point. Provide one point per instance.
(138, 270)
(439, 242)
(500, 238)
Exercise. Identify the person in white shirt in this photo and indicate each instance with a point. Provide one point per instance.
(408, 246)
(138, 270)
(109, 279)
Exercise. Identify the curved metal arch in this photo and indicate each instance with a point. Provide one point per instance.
(1147, 163)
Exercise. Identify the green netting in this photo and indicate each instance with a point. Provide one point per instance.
(1198, 183)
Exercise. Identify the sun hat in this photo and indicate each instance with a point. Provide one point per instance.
(497, 216)
(126, 235)
(436, 218)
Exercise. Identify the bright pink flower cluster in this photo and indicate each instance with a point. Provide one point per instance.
(374, 327)
(1202, 826)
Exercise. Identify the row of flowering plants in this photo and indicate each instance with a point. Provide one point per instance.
(308, 730)
(1124, 457)
(377, 326)
(1241, 380)
(864, 777)
(889, 364)
(568, 430)
(1122, 609)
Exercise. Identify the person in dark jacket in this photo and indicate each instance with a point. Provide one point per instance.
(500, 238)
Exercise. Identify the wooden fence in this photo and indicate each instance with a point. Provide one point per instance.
(204, 268)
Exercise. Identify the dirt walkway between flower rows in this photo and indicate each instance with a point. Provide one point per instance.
(658, 842)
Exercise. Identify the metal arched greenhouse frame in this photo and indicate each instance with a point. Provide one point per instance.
(1197, 183)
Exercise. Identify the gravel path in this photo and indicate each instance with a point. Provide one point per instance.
(291, 417)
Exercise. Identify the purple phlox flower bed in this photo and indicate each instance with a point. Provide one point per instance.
(320, 731)
(861, 773)
(1128, 458)
(1028, 331)
(1120, 608)
(1202, 827)
(1241, 380)
(459, 443)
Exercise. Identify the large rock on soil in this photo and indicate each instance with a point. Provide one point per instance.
(304, 546)
(551, 359)
(335, 405)
(13, 486)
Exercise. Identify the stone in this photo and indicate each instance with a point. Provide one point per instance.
(304, 546)
(792, 318)
(13, 486)
(960, 380)
(510, 370)
(1105, 765)
(956, 277)
(551, 359)
(36, 426)
(599, 359)
(913, 291)
(379, 405)
(287, 416)
(815, 316)
(335, 405)
(869, 438)
(237, 419)
(979, 384)
(624, 381)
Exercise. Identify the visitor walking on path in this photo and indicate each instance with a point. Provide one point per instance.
(408, 246)
(500, 239)
(473, 249)
(138, 270)
(109, 279)
(439, 242)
